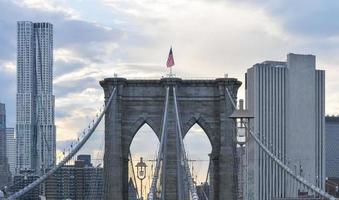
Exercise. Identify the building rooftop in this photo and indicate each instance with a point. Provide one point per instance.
(332, 118)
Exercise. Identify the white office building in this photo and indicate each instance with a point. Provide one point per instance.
(288, 103)
(11, 149)
(35, 129)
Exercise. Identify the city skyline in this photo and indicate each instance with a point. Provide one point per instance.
(132, 39)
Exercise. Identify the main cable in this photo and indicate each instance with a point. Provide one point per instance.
(280, 163)
(161, 155)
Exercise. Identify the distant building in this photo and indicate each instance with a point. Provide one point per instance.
(11, 149)
(288, 103)
(332, 155)
(332, 146)
(332, 186)
(78, 181)
(5, 176)
(35, 127)
(22, 180)
(86, 159)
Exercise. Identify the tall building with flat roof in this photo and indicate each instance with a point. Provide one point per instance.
(332, 146)
(35, 128)
(4, 168)
(288, 103)
(11, 149)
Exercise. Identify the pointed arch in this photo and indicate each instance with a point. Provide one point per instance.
(198, 147)
(146, 137)
(198, 119)
(144, 143)
(138, 124)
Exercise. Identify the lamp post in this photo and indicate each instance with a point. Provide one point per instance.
(141, 173)
(242, 118)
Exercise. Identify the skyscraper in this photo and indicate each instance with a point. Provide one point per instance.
(332, 146)
(35, 127)
(11, 149)
(4, 168)
(288, 103)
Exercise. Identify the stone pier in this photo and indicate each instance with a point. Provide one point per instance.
(142, 101)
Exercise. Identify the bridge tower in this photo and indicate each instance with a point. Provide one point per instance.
(142, 101)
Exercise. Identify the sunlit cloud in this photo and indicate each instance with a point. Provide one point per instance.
(8, 66)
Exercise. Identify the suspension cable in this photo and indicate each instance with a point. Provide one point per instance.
(192, 187)
(68, 157)
(160, 151)
(281, 164)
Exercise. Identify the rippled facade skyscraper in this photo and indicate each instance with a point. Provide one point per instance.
(35, 127)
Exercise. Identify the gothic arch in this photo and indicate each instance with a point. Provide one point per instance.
(140, 123)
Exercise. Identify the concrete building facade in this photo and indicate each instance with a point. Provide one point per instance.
(22, 180)
(137, 102)
(288, 103)
(5, 175)
(332, 146)
(35, 127)
(79, 181)
(11, 149)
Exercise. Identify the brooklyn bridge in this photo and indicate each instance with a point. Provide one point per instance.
(170, 106)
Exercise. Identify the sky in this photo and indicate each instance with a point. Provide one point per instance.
(94, 39)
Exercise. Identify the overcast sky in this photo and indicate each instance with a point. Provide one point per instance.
(94, 39)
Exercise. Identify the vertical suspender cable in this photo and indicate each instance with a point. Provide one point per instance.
(192, 187)
(179, 170)
(160, 151)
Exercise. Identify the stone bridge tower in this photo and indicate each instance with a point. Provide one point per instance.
(137, 102)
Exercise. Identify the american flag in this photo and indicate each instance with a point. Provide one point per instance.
(170, 59)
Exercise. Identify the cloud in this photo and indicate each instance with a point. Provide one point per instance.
(8, 89)
(132, 38)
(72, 32)
(305, 18)
(49, 6)
(79, 45)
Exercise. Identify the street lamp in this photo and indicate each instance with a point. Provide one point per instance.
(141, 173)
(242, 118)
